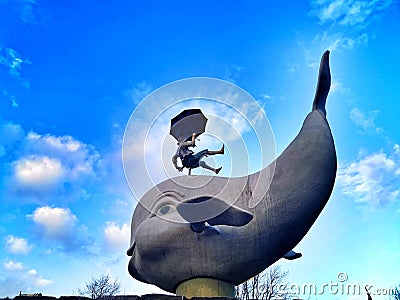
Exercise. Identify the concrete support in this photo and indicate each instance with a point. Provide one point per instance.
(205, 287)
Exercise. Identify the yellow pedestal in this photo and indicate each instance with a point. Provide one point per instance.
(205, 287)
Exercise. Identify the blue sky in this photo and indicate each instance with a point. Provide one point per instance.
(72, 72)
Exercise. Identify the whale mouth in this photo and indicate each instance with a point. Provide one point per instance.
(211, 210)
(131, 249)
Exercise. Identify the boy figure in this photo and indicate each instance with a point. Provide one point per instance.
(190, 160)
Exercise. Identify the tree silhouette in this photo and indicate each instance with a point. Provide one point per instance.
(98, 288)
(269, 284)
(396, 295)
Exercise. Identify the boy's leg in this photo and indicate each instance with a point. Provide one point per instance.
(220, 151)
(205, 166)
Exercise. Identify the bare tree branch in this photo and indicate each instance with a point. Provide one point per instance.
(101, 287)
(268, 285)
(396, 295)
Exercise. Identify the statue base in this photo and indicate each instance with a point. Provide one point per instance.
(206, 287)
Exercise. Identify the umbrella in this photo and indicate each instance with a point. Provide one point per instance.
(187, 122)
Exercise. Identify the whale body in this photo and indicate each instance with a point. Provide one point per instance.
(231, 229)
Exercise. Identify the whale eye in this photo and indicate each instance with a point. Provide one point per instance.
(164, 205)
(165, 209)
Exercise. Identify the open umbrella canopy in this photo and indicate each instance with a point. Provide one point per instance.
(187, 122)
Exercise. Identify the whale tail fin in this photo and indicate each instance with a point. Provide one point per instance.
(323, 85)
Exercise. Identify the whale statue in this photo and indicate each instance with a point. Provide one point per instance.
(231, 229)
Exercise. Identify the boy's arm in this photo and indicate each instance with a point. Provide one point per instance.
(191, 142)
(175, 162)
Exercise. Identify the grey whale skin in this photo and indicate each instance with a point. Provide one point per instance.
(166, 251)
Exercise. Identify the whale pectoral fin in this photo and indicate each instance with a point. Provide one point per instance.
(291, 255)
(213, 211)
(197, 227)
(233, 216)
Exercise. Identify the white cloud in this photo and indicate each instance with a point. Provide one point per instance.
(27, 10)
(346, 20)
(14, 102)
(38, 280)
(372, 179)
(337, 87)
(48, 166)
(13, 61)
(63, 143)
(38, 171)
(340, 40)
(11, 265)
(116, 237)
(23, 8)
(121, 208)
(79, 159)
(10, 134)
(18, 277)
(291, 70)
(59, 228)
(348, 12)
(57, 223)
(41, 282)
(17, 245)
(12, 98)
(267, 99)
(140, 91)
(233, 73)
(366, 122)
(313, 65)
(266, 96)
(32, 272)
